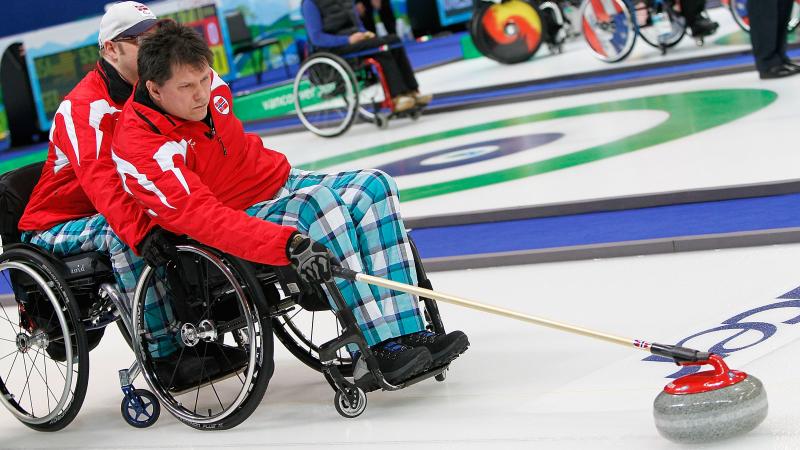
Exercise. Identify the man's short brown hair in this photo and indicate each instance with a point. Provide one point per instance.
(171, 45)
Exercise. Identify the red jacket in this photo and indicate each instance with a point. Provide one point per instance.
(79, 178)
(196, 178)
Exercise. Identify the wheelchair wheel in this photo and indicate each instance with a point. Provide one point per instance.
(608, 28)
(650, 35)
(325, 95)
(44, 355)
(351, 403)
(214, 361)
(140, 409)
(741, 17)
(302, 332)
(509, 32)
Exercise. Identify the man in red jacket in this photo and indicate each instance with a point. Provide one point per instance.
(62, 214)
(78, 199)
(79, 204)
(186, 159)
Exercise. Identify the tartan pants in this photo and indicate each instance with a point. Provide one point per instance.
(355, 214)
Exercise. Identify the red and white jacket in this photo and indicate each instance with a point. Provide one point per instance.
(198, 177)
(79, 178)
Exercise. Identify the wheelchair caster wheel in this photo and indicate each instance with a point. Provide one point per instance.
(140, 408)
(442, 376)
(382, 121)
(351, 404)
(416, 115)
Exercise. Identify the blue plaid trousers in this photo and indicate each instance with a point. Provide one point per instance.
(355, 214)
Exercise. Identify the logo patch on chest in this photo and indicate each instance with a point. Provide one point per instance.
(221, 104)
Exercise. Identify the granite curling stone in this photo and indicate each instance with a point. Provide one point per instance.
(710, 406)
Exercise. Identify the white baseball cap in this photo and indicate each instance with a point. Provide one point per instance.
(125, 19)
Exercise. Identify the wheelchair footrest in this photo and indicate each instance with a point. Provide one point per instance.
(430, 373)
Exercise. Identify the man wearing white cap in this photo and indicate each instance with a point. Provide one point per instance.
(79, 186)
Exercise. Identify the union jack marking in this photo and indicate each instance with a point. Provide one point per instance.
(641, 344)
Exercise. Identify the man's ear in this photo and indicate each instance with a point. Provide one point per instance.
(110, 51)
(153, 90)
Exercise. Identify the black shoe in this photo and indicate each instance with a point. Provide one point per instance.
(779, 71)
(791, 66)
(397, 362)
(443, 347)
(703, 27)
(178, 372)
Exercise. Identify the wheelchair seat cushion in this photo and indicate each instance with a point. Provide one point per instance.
(16, 187)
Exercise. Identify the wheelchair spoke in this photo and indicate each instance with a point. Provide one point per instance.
(202, 371)
(299, 310)
(4, 357)
(64, 375)
(8, 340)
(44, 379)
(12, 365)
(216, 394)
(8, 319)
(47, 386)
(27, 382)
(175, 370)
(230, 363)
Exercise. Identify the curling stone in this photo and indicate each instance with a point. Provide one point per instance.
(710, 405)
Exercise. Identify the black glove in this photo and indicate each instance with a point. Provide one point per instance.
(311, 259)
(157, 248)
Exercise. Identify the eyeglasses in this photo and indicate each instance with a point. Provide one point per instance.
(135, 40)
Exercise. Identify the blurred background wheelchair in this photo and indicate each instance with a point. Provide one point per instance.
(332, 91)
(512, 31)
(611, 27)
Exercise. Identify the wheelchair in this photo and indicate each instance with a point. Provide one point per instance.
(332, 91)
(512, 31)
(610, 27)
(742, 18)
(54, 311)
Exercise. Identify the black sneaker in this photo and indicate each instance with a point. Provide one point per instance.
(779, 71)
(443, 347)
(178, 372)
(397, 362)
(703, 27)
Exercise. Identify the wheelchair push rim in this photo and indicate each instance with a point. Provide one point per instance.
(31, 337)
(608, 29)
(179, 403)
(325, 95)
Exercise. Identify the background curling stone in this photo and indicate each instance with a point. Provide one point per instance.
(711, 405)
